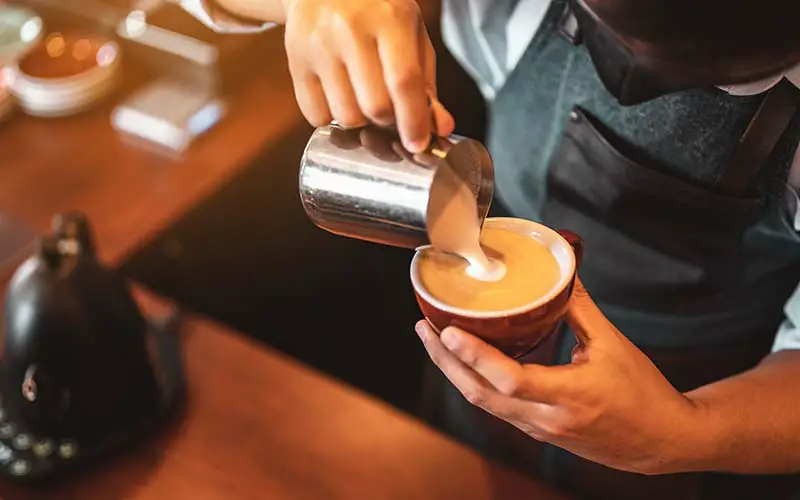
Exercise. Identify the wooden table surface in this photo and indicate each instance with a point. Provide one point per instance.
(261, 426)
(81, 163)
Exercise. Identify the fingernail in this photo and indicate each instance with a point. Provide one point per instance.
(450, 338)
(422, 331)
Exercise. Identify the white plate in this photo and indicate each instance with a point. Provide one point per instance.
(60, 104)
(64, 95)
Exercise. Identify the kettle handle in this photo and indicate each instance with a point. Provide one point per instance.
(75, 226)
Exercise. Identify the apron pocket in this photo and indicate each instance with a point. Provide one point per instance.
(653, 239)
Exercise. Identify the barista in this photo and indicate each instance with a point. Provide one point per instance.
(614, 119)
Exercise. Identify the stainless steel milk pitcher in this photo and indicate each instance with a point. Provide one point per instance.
(363, 184)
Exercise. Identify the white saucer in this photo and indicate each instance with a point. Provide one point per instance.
(64, 74)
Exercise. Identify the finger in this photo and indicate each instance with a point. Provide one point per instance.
(445, 123)
(474, 389)
(500, 371)
(586, 319)
(580, 354)
(340, 95)
(311, 99)
(366, 77)
(402, 68)
(531, 382)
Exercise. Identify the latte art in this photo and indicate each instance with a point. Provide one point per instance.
(485, 269)
(531, 271)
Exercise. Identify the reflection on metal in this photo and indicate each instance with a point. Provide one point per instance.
(363, 184)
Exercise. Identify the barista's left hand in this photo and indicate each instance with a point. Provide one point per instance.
(610, 405)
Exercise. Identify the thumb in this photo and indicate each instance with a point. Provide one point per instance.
(444, 123)
(586, 319)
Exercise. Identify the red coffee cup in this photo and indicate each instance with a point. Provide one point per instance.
(513, 331)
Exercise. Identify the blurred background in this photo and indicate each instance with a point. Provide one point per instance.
(244, 253)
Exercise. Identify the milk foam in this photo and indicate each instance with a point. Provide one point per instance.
(455, 227)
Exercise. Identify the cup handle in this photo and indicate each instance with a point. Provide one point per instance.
(577, 245)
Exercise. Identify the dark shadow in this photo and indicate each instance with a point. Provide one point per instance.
(250, 258)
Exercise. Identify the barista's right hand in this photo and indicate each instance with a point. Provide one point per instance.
(362, 61)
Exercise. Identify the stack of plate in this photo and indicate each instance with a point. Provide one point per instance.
(6, 99)
(64, 74)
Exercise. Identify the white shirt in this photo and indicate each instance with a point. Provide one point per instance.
(488, 38)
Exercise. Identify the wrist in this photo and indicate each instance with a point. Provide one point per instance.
(287, 6)
(252, 11)
(697, 440)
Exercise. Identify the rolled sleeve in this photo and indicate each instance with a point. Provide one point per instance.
(788, 336)
(220, 21)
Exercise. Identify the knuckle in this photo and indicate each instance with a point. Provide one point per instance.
(317, 118)
(557, 428)
(379, 110)
(317, 43)
(475, 396)
(344, 26)
(406, 79)
(509, 386)
(408, 12)
(349, 118)
(537, 434)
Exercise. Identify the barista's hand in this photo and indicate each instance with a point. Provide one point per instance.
(360, 61)
(610, 405)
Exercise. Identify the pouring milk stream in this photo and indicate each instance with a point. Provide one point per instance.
(454, 226)
(362, 184)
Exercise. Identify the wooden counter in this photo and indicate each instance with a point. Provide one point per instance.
(81, 163)
(263, 427)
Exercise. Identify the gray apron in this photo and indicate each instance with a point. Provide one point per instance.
(694, 272)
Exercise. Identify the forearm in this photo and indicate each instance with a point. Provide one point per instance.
(749, 423)
(275, 10)
(260, 10)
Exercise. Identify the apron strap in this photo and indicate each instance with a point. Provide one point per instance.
(760, 138)
(568, 26)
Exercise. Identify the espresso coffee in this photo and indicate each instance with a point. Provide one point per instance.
(532, 271)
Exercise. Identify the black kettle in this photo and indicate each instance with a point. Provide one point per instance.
(83, 371)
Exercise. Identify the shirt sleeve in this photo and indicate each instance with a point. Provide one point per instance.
(788, 336)
(219, 20)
